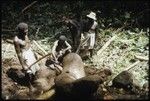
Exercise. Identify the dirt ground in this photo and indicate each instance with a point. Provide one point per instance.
(114, 59)
(14, 88)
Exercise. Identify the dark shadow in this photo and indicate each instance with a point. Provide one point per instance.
(18, 76)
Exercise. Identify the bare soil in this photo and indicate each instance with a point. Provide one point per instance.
(15, 88)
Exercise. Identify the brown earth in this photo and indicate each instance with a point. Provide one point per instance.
(14, 88)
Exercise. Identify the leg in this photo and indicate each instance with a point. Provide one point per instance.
(91, 52)
(30, 78)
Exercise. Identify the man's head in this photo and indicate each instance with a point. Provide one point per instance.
(22, 28)
(92, 16)
(62, 38)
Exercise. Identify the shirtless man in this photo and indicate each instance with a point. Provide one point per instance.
(60, 48)
(24, 51)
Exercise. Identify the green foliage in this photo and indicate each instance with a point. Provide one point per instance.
(48, 15)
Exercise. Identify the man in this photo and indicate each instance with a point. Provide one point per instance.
(88, 35)
(75, 27)
(60, 48)
(23, 50)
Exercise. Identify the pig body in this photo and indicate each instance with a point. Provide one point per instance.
(44, 81)
(73, 83)
(73, 69)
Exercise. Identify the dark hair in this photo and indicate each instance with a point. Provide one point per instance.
(22, 26)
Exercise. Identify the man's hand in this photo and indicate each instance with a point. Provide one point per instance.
(63, 51)
(16, 39)
(25, 67)
(82, 37)
(56, 62)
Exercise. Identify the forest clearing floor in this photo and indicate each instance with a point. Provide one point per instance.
(118, 56)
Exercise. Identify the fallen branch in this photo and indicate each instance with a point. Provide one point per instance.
(39, 47)
(28, 6)
(9, 41)
(46, 95)
(39, 53)
(106, 45)
(142, 57)
(132, 65)
(112, 39)
(7, 30)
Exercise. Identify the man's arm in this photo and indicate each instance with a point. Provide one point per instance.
(68, 46)
(54, 50)
(19, 53)
(21, 42)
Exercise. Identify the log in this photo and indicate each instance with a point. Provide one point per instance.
(106, 45)
(112, 39)
(142, 57)
(40, 47)
(46, 95)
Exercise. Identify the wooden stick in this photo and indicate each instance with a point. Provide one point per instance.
(39, 47)
(132, 65)
(39, 59)
(81, 43)
(39, 53)
(46, 95)
(9, 41)
(106, 45)
(7, 30)
(46, 54)
(142, 57)
(28, 6)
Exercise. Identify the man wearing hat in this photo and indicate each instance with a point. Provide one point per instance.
(88, 36)
(24, 51)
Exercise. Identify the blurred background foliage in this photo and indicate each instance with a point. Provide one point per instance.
(47, 16)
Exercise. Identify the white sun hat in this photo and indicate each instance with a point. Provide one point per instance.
(92, 15)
